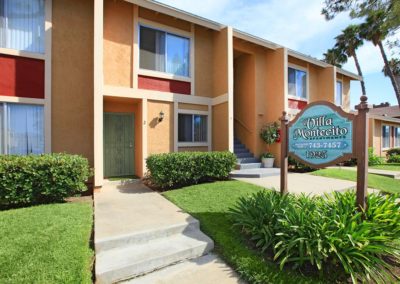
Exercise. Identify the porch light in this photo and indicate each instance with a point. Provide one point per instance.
(161, 116)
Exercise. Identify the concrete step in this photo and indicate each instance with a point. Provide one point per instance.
(255, 173)
(241, 150)
(208, 269)
(248, 160)
(245, 155)
(135, 260)
(146, 236)
(248, 166)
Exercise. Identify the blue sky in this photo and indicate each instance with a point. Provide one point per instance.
(299, 25)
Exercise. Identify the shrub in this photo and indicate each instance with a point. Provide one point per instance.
(394, 159)
(186, 168)
(393, 152)
(37, 179)
(324, 232)
(373, 159)
(296, 166)
(266, 155)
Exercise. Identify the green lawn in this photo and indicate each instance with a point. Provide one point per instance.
(374, 181)
(46, 244)
(389, 167)
(209, 203)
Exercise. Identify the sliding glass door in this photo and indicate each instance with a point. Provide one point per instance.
(22, 129)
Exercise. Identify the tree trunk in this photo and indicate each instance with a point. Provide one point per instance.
(390, 72)
(364, 93)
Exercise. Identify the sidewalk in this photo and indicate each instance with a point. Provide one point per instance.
(142, 237)
(303, 183)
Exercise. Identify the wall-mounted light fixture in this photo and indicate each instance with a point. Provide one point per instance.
(161, 116)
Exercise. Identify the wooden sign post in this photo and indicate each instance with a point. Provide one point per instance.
(321, 135)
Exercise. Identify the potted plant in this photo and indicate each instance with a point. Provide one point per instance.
(269, 133)
(267, 160)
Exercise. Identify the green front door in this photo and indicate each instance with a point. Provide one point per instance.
(118, 144)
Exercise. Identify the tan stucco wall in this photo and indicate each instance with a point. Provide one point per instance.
(220, 137)
(326, 85)
(193, 107)
(276, 98)
(192, 149)
(122, 105)
(72, 77)
(204, 58)
(220, 63)
(160, 135)
(296, 61)
(118, 42)
(164, 19)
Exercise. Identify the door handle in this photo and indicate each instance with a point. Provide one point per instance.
(130, 145)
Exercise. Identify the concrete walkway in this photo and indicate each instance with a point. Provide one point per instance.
(386, 173)
(141, 236)
(303, 183)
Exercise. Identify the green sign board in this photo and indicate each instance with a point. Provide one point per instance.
(321, 135)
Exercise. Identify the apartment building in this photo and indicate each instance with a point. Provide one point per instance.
(118, 80)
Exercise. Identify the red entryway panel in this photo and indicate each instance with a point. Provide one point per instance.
(164, 85)
(296, 104)
(21, 77)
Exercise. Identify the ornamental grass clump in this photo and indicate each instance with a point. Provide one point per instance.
(325, 232)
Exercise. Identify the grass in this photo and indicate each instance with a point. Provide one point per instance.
(46, 244)
(388, 167)
(209, 203)
(374, 181)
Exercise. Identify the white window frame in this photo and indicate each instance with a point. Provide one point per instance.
(194, 144)
(177, 32)
(341, 95)
(304, 69)
(390, 132)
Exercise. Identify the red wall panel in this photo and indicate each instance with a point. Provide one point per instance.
(21, 77)
(296, 104)
(163, 85)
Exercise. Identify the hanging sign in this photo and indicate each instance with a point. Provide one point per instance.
(321, 135)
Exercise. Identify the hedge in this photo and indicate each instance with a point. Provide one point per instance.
(186, 168)
(38, 179)
(393, 152)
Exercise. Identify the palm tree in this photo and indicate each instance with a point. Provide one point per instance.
(335, 57)
(374, 30)
(347, 43)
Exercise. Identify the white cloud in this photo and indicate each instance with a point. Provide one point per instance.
(290, 23)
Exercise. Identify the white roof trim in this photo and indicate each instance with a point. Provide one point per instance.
(180, 14)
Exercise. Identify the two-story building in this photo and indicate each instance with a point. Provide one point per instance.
(116, 81)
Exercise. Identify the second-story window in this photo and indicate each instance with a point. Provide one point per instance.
(339, 93)
(297, 83)
(22, 25)
(164, 52)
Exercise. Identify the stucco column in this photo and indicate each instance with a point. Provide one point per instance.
(98, 93)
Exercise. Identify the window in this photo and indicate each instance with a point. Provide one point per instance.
(164, 52)
(297, 83)
(396, 136)
(339, 93)
(22, 129)
(22, 25)
(192, 128)
(385, 136)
